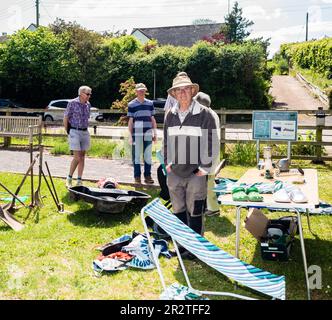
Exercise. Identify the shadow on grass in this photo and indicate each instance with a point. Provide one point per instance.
(219, 225)
(203, 277)
(87, 215)
(317, 253)
(91, 217)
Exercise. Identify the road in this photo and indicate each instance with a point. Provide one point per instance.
(290, 94)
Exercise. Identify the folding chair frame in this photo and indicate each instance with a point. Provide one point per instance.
(162, 279)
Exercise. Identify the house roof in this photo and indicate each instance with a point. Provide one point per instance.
(180, 35)
(32, 27)
(4, 37)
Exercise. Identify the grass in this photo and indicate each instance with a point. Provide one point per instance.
(51, 258)
(315, 78)
(100, 148)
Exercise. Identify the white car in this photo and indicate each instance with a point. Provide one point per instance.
(50, 115)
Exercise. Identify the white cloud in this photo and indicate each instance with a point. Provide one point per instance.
(15, 19)
(315, 14)
(295, 33)
(277, 13)
(255, 13)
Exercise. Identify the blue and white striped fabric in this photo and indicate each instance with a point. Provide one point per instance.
(248, 275)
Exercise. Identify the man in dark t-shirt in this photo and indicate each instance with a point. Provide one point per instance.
(142, 131)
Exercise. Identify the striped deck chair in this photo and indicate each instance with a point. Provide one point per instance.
(243, 273)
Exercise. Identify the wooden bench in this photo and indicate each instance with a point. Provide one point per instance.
(22, 127)
(12, 126)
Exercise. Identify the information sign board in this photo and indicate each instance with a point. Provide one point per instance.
(274, 125)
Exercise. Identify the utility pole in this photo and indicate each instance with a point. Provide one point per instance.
(228, 6)
(37, 13)
(154, 84)
(306, 27)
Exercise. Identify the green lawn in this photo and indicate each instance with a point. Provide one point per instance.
(51, 258)
(100, 148)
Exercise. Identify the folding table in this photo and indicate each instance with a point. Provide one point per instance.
(309, 188)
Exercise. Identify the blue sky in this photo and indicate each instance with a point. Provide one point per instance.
(282, 21)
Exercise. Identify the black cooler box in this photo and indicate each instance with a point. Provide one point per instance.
(278, 240)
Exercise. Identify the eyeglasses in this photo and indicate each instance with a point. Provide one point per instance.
(179, 89)
(88, 94)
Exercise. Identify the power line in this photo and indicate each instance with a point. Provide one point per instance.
(110, 16)
(37, 13)
(46, 11)
(107, 5)
(5, 14)
(306, 26)
(152, 5)
(300, 33)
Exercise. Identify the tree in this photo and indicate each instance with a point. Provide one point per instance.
(235, 25)
(203, 21)
(217, 38)
(83, 42)
(37, 66)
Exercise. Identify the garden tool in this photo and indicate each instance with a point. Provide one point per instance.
(12, 194)
(51, 192)
(59, 204)
(31, 171)
(12, 205)
(6, 217)
(37, 198)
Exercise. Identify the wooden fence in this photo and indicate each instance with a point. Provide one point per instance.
(223, 114)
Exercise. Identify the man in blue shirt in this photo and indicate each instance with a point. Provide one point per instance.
(142, 131)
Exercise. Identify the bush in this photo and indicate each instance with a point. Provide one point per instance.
(243, 154)
(315, 55)
(41, 65)
(300, 149)
(280, 64)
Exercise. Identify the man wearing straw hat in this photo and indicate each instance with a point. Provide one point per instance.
(190, 145)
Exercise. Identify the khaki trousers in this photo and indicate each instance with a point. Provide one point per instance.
(187, 194)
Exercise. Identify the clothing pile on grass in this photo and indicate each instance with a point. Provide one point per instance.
(226, 186)
(129, 251)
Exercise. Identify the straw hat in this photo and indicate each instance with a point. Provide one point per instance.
(141, 86)
(182, 81)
